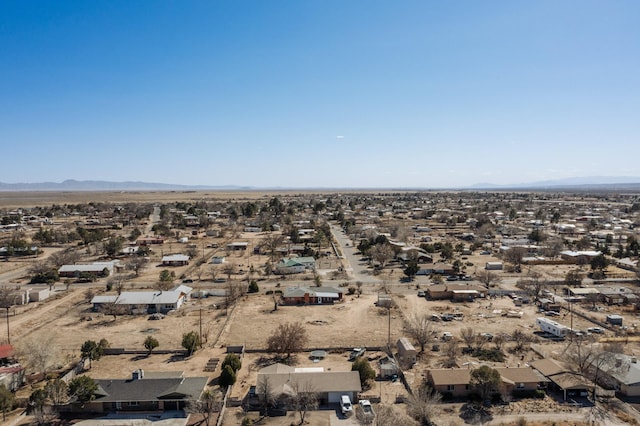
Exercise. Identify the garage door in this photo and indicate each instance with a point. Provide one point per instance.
(334, 397)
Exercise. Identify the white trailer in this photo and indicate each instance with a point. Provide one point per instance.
(552, 327)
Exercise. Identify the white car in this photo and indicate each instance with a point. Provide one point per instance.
(345, 405)
(367, 409)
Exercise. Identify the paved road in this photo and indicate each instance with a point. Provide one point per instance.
(356, 269)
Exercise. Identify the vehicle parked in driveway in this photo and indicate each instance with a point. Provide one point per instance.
(345, 405)
(421, 293)
(595, 330)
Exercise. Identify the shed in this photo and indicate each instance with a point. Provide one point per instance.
(493, 266)
(614, 319)
(407, 353)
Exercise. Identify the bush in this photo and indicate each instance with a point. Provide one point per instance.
(232, 360)
(494, 355)
(253, 287)
(227, 377)
(351, 291)
(362, 366)
(268, 292)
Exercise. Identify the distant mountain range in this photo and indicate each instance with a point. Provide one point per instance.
(100, 185)
(577, 183)
(595, 182)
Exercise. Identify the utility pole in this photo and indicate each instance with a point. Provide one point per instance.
(200, 325)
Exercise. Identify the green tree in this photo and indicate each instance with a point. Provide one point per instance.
(82, 389)
(113, 246)
(167, 276)
(362, 366)
(37, 399)
(91, 350)
(227, 377)
(485, 380)
(150, 343)
(412, 269)
(599, 263)
(191, 342)
(253, 287)
(233, 360)
(56, 391)
(7, 399)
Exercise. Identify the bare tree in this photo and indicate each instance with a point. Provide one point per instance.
(271, 243)
(359, 287)
(521, 339)
(39, 355)
(388, 415)
(66, 257)
(304, 398)
(287, 338)
(419, 328)
(213, 271)
(57, 391)
(488, 278)
(381, 253)
(450, 354)
(514, 256)
(45, 415)
(116, 282)
(114, 309)
(137, 264)
(209, 403)
(468, 336)
(229, 269)
(266, 392)
(421, 405)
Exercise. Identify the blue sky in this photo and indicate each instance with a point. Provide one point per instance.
(319, 93)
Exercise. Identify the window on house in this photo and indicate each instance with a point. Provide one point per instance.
(132, 403)
(450, 387)
(520, 385)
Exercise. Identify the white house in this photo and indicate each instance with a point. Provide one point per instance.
(146, 301)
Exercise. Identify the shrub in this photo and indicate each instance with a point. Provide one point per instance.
(227, 377)
(232, 360)
(494, 355)
(351, 291)
(253, 287)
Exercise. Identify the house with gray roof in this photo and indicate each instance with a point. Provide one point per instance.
(145, 392)
(283, 381)
(295, 265)
(145, 301)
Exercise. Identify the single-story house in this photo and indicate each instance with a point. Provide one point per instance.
(145, 392)
(493, 266)
(175, 260)
(416, 253)
(579, 257)
(283, 380)
(237, 246)
(457, 292)
(145, 301)
(621, 372)
(146, 241)
(311, 296)
(95, 269)
(562, 379)
(295, 265)
(456, 381)
(438, 268)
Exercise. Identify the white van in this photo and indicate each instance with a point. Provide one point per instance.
(345, 405)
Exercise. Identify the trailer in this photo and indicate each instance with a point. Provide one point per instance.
(552, 327)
